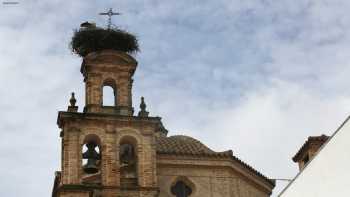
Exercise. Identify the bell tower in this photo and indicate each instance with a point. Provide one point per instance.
(110, 150)
(113, 69)
(106, 150)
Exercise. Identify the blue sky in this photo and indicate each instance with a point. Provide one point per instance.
(254, 76)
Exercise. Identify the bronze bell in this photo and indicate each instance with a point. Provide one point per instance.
(92, 157)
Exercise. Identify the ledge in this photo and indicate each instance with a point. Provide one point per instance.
(62, 115)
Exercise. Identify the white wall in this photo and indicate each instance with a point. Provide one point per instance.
(328, 174)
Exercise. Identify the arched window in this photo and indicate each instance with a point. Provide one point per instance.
(109, 92)
(182, 187)
(109, 96)
(128, 163)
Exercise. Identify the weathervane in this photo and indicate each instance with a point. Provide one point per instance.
(110, 13)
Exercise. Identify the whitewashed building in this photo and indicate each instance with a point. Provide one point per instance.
(324, 171)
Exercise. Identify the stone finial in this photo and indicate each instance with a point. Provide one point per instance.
(143, 112)
(72, 101)
(143, 104)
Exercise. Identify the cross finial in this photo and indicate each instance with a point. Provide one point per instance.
(110, 13)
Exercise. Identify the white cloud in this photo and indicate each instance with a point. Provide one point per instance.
(256, 76)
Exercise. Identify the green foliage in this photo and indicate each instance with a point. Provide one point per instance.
(87, 40)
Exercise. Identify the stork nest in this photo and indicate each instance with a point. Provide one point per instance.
(87, 40)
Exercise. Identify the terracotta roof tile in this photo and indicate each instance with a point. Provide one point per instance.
(185, 145)
(180, 144)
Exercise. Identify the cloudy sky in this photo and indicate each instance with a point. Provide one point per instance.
(254, 76)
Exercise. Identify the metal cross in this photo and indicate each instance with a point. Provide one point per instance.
(110, 13)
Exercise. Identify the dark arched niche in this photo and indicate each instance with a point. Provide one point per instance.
(128, 161)
(182, 187)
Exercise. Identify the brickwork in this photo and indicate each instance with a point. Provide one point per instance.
(110, 131)
(111, 68)
(208, 179)
(75, 194)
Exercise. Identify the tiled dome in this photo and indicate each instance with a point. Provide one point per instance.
(188, 146)
(184, 145)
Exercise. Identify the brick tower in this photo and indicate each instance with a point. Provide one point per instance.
(106, 151)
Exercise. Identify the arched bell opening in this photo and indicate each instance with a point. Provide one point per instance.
(85, 163)
(109, 93)
(128, 162)
(91, 159)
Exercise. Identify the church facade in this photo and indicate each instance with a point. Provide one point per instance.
(107, 151)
